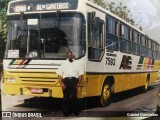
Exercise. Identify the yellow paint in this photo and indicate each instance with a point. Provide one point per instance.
(122, 82)
(153, 77)
(17, 62)
(28, 79)
(156, 65)
(145, 63)
(91, 84)
(125, 82)
(15, 90)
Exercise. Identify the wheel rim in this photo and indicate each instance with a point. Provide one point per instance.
(106, 92)
(146, 85)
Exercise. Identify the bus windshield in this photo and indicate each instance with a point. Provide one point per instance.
(48, 35)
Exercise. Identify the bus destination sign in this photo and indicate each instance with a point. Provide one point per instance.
(41, 5)
(53, 6)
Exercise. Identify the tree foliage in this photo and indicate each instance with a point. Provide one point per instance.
(119, 10)
(100, 3)
(3, 26)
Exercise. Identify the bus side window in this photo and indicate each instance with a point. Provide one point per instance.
(143, 48)
(135, 42)
(154, 50)
(125, 42)
(149, 48)
(95, 32)
(111, 34)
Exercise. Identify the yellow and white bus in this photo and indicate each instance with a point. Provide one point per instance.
(115, 55)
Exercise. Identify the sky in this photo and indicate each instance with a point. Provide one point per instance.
(145, 13)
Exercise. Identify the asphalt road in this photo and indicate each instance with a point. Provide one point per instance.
(132, 101)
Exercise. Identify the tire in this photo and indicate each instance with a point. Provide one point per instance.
(145, 87)
(106, 95)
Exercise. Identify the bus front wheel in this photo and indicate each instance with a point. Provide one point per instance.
(106, 94)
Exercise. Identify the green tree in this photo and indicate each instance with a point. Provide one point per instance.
(119, 10)
(3, 26)
(100, 3)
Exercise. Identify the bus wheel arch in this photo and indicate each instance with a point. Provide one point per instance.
(106, 95)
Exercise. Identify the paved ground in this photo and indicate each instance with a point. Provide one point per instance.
(133, 100)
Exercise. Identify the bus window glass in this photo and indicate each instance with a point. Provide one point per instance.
(51, 37)
(157, 47)
(125, 32)
(149, 53)
(154, 55)
(112, 42)
(143, 41)
(153, 45)
(143, 51)
(149, 44)
(96, 49)
(111, 35)
(135, 48)
(125, 44)
(135, 41)
(111, 26)
(135, 36)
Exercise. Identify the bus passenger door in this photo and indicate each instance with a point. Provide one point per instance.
(95, 63)
(95, 38)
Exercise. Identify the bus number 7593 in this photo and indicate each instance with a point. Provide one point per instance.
(110, 61)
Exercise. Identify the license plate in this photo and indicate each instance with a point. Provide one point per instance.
(36, 90)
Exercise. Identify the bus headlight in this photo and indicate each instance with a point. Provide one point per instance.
(10, 80)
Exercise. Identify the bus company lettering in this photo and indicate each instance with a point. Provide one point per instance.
(145, 63)
(53, 6)
(126, 62)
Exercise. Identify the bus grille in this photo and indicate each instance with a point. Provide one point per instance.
(45, 78)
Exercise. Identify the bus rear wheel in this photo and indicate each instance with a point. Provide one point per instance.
(145, 87)
(106, 95)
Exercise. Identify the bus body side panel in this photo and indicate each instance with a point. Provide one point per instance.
(94, 84)
(128, 81)
(153, 77)
(122, 82)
